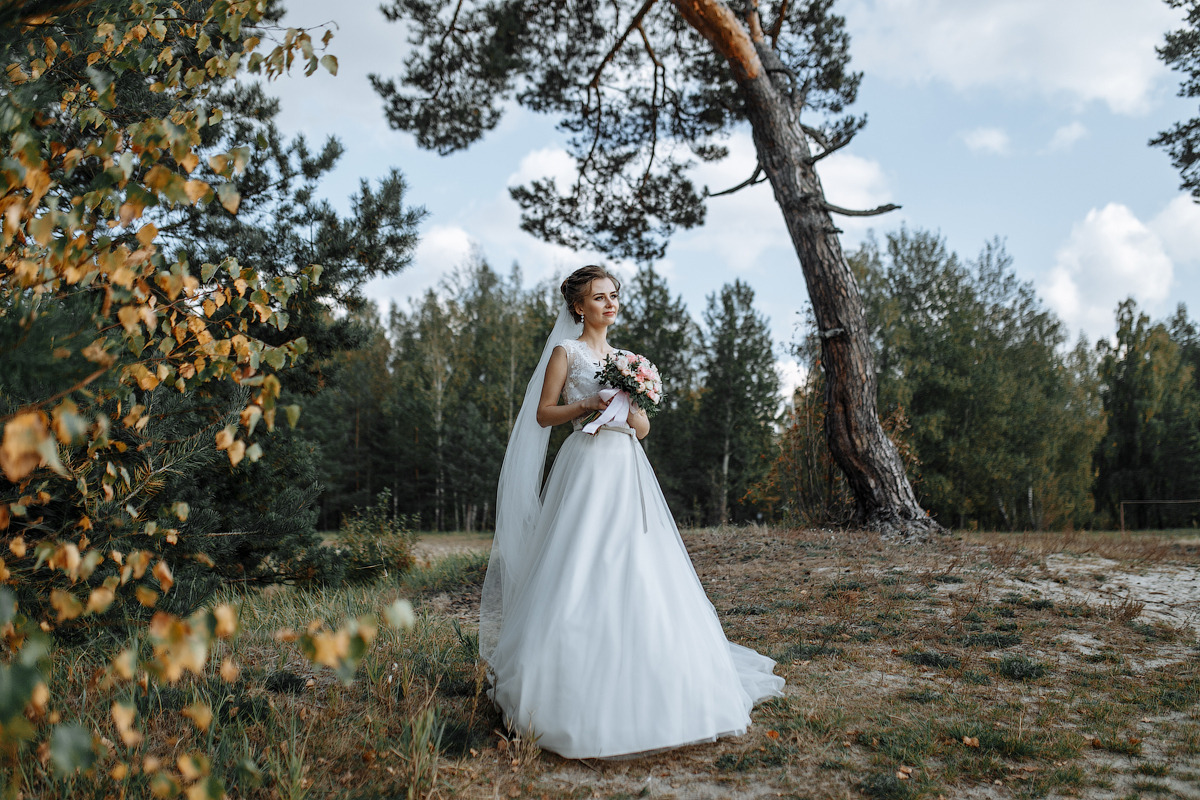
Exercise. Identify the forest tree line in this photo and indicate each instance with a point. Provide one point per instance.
(1004, 423)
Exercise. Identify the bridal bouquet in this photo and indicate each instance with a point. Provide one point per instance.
(630, 379)
(636, 376)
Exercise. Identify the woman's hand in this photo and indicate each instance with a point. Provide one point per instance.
(639, 420)
(595, 403)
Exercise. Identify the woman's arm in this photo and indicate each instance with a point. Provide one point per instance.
(639, 421)
(549, 411)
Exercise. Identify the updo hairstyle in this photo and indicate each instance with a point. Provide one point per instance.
(577, 285)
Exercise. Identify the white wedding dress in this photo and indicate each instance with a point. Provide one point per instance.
(609, 645)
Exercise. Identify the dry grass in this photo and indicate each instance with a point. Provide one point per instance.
(976, 666)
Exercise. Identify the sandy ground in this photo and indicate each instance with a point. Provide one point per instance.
(1169, 593)
(430, 547)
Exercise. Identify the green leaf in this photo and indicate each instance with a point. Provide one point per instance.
(330, 63)
(275, 357)
(249, 774)
(207, 271)
(8, 605)
(293, 415)
(17, 682)
(71, 749)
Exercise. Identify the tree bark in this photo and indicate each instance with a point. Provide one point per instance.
(884, 499)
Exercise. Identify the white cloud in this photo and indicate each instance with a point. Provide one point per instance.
(741, 228)
(1084, 50)
(851, 181)
(441, 249)
(1109, 256)
(549, 162)
(987, 140)
(1065, 137)
(1178, 226)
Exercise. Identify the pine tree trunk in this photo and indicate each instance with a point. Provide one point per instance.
(873, 467)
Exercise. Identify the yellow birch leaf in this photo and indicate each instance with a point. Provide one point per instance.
(200, 715)
(230, 199)
(163, 573)
(138, 562)
(100, 600)
(237, 451)
(229, 671)
(123, 717)
(157, 177)
(40, 697)
(195, 190)
(250, 416)
(122, 276)
(124, 664)
(65, 604)
(17, 545)
(146, 233)
(20, 452)
(227, 620)
(146, 596)
(163, 786)
(129, 317)
(189, 162)
(330, 648)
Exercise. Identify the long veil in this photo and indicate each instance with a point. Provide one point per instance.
(518, 497)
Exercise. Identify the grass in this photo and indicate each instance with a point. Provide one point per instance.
(956, 661)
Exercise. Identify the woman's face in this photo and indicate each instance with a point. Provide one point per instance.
(600, 304)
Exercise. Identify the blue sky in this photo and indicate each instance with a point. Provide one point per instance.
(1020, 119)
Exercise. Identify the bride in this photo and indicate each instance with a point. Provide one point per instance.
(598, 636)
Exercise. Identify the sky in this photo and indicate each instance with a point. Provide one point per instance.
(1022, 120)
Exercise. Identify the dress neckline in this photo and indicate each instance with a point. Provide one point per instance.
(588, 347)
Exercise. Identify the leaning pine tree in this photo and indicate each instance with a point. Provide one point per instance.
(641, 87)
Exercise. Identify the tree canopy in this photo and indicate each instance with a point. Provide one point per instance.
(1181, 52)
(640, 93)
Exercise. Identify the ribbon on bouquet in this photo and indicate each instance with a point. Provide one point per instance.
(617, 412)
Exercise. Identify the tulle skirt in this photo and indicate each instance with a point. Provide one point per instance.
(611, 647)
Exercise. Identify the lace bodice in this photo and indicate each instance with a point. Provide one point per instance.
(582, 365)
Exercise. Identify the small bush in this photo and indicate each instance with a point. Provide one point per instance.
(447, 574)
(749, 611)
(805, 651)
(886, 786)
(373, 542)
(995, 641)
(937, 660)
(845, 585)
(1020, 668)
